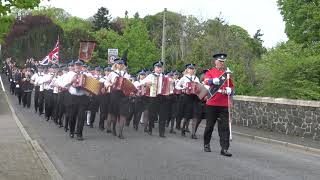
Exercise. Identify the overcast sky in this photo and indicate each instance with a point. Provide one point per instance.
(249, 14)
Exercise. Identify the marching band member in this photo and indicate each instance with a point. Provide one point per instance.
(119, 109)
(17, 81)
(105, 101)
(157, 104)
(174, 98)
(26, 88)
(217, 106)
(47, 78)
(54, 84)
(94, 99)
(34, 81)
(78, 101)
(139, 104)
(190, 102)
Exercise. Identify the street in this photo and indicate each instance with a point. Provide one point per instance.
(140, 156)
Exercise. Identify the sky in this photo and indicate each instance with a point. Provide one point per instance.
(249, 14)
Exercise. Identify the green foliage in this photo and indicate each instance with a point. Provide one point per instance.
(302, 20)
(101, 19)
(6, 6)
(287, 72)
(32, 36)
(6, 24)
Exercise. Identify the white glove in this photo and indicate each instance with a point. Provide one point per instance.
(216, 81)
(228, 91)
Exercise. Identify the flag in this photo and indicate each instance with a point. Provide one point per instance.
(86, 50)
(52, 57)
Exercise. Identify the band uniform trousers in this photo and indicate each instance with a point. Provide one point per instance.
(19, 93)
(61, 107)
(55, 107)
(41, 102)
(26, 98)
(36, 98)
(48, 101)
(104, 108)
(158, 107)
(220, 114)
(77, 113)
(139, 107)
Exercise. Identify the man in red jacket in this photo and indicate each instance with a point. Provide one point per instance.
(217, 105)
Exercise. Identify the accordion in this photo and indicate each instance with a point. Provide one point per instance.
(197, 89)
(89, 84)
(159, 86)
(124, 85)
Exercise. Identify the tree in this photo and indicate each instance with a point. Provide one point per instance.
(136, 15)
(32, 36)
(101, 19)
(302, 20)
(6, 23)
(142, 52)
(6, 7)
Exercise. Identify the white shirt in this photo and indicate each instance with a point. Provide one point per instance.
(40, 81)
(152, 79)
(112, 76)
(34, 78)
(182, 83)
(72, 90)
(47, 81)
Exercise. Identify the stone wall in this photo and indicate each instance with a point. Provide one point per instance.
(291, 117)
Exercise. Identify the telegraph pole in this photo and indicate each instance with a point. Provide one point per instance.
(163, 37)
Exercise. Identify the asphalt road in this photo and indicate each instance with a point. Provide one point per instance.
(143, 157)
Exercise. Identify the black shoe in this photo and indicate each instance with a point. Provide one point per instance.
(162, 136)
(135, 128)
(121, 136)
(225, 152)
(183, 132)
(172, 131)
(79, 138)
(207, 148)
(47, 118)
(114, 133)
(146, 130)
(91, 125)
(150, 133)
(66, 129)
(187, 130)
(193, 136)
(109, 131)
(60, 125)
(71, 135)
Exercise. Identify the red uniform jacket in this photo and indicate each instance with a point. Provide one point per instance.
(219, 99)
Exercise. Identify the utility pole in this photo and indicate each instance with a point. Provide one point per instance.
(163, 38)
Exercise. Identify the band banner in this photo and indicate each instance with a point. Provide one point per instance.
(86, 50)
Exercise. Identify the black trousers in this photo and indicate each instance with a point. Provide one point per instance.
(19, 92)
(36, 98)
(26, 99)
(158, 107)
(220, 114)
(67, 102)
(104, 109)
(48, 101)
(77, 113)
(41, 102)
(61, 107)
(12, 87)
(131, 110)
(55, 107)
(139, 107)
